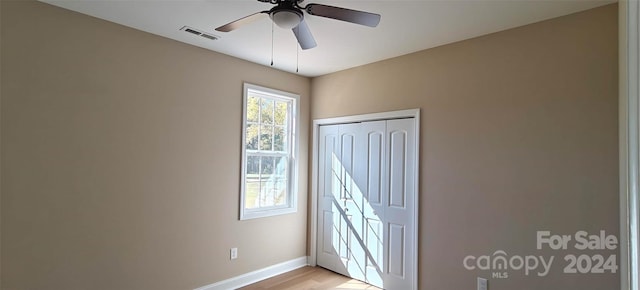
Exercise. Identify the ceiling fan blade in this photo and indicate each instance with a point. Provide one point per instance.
(304, 36)
(344, 14)
(240, 22)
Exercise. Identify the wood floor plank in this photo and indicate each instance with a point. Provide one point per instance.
(310, 278)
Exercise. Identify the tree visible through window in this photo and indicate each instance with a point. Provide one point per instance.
(268, 152)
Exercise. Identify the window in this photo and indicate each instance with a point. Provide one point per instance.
(269, 164)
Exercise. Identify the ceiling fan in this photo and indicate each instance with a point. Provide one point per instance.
(288, 14)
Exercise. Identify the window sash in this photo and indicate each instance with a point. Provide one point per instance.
(268, 182)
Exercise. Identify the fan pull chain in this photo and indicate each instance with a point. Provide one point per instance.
(271, 43)
(297, 58)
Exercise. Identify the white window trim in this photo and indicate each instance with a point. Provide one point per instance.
(292, 199)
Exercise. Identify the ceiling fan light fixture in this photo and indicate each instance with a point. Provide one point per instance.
(286, 18)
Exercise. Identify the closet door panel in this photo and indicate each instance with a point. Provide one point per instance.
(372, 152)
(329, 237)
(400, 203)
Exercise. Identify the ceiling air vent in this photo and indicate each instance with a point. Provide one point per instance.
(199, 33)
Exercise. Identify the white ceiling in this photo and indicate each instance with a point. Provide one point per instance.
(406, 26)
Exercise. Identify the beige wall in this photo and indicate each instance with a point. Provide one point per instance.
(518, 134)
(120, 158)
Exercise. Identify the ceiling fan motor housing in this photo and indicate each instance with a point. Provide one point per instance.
(285, 15)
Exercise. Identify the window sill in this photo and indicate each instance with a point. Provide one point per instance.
(254, 214)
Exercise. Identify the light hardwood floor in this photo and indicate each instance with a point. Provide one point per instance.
(307, 278)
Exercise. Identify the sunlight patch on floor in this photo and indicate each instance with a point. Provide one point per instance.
(353, 284)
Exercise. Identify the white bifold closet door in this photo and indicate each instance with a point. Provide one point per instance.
(366, 194)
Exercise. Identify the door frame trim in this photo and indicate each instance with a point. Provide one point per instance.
(629, 139)
(313, 232)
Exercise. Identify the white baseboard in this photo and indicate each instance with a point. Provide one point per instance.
(258, 275)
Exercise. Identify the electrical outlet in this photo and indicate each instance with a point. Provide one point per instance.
(483, 284)
(234, 253)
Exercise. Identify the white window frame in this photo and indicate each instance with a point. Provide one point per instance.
(291, 205)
